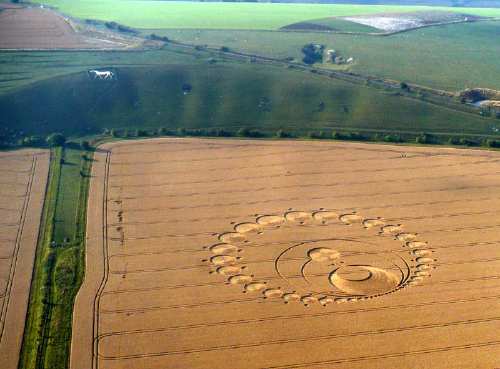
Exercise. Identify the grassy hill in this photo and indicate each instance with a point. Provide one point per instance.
(228, 96)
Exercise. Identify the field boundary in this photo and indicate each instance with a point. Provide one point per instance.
(57, 270)
(83, 348)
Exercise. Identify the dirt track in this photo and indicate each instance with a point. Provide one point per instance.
(37, 28)
(251, 254)
(22, 191)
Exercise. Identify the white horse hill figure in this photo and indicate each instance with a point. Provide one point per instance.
(101, 74)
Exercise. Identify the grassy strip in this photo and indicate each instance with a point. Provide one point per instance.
(59, 265)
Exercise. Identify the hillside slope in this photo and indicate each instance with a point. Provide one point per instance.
(195, 96)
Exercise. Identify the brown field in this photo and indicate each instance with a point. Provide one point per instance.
(37, 28)
(235, 254)
(22, 191)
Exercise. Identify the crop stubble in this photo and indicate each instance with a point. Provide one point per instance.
(251, 254)
(22, 190)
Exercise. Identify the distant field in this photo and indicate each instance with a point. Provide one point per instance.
(448, 57)
(35, 28)
(264, 16)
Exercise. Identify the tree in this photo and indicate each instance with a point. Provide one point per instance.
(492, 143)
(404, 86)
(313, 53)
(282, 134)
(32, 141)
(84, 145)
(56, 139)
(424, 138)
(392, 138)
(319, 135)
(243, 132)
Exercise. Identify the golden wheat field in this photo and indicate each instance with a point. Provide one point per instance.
(236, 254)
(22, 191)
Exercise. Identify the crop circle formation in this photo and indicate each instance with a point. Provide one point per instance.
(310, 257)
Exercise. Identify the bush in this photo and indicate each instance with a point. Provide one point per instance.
(155, 37)
(312, 53)
(119, 27)
(84, 145)
(247, 132)
(282, 134)
(392, 138)
(354, 136)
(224, 49)
(165, 132)
(467, 142)
(219, 132)
(243, 132)
(195, 132)
(493, 143)
(56, 139)
(318, 135)
(336, 135)
(33, 141)
(141, 133)
(424, 138)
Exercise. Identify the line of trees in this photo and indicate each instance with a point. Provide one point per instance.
(58, 139)
(244, 132)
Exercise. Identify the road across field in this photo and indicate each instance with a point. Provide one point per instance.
(22, 191)
(258, 254)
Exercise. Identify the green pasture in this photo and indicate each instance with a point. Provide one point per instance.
(215, 15)
(449, 57)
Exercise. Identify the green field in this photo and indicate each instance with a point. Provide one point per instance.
(450, 57)
(59, 263)
(214, 15)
